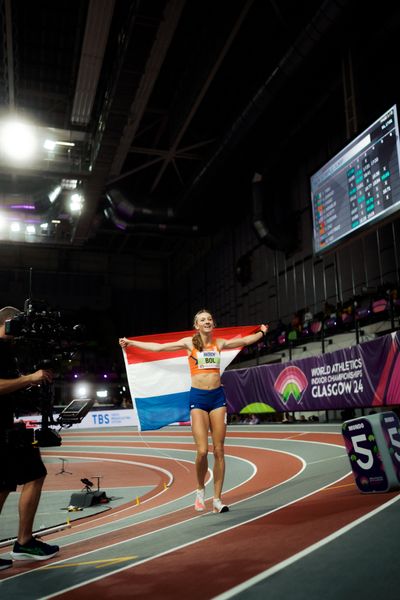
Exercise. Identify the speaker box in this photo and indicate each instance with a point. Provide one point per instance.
(85, 499)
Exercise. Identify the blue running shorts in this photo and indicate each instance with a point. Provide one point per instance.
(207, 400)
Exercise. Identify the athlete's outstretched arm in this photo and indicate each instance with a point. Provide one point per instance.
(183, 344)
(247, 340)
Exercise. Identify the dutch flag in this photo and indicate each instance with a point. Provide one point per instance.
(159, 382)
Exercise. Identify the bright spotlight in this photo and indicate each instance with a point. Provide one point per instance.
(49, 145)
(30, 229)
(76, 203)
(18, 141)
(69, 184)
(53, 195)
(82, 391)
(15, 226)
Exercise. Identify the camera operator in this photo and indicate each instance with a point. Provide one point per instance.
(20, 460)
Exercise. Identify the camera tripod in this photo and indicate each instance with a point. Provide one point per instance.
(63, 461)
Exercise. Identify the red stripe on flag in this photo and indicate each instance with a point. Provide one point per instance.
(136, 355)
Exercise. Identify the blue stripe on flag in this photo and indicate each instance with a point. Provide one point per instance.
(158, 411)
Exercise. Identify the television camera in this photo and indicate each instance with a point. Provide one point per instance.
(45, 339)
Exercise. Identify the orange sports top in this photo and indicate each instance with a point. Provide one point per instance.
(207, 361)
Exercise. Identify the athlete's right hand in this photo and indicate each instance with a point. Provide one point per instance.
(123, 342)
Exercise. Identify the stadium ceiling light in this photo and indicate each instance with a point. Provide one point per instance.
(76, 203)
(30, 229)
(15, 226)
(49, 144)
(69, 184)
(18, 141)
(53, 195)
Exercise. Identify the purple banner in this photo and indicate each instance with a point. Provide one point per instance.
(361, 376)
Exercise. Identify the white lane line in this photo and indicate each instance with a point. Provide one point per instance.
(100, 534)
(120, 528)
(178, 510)
(296, 435)
(176, 548)
(135, 463)
(170, 512)
(277, 485)
(129, 508)
(289, 561)
(139, 522)
(321, 460)
(118, 512)
(291, 439)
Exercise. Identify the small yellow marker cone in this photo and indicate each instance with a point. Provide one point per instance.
(137, 500)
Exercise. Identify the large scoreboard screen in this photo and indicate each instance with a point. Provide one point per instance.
(359, 186)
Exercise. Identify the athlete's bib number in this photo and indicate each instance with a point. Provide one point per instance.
(208, 360)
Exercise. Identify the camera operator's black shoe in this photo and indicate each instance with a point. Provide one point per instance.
(5, 563)
(33, 550)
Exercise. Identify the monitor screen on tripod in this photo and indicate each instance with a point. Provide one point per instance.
(75, 411)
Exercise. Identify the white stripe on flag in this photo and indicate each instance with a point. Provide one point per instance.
(159, 377)
(168, 376)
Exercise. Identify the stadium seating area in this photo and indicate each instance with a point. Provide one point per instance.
(380, 306)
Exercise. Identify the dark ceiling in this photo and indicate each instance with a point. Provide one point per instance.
(171, 105)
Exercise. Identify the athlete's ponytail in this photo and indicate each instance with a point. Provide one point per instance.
(197, 342)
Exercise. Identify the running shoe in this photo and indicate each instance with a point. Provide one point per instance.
(218, 507)
(33, 550)
(199, 501)
(5, 563)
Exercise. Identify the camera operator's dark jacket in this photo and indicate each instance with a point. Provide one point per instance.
(8, 370)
